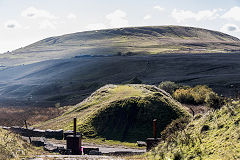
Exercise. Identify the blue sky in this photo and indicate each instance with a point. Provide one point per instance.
(23, 22)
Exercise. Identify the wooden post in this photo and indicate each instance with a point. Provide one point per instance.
(74, 127)
(27, 128)
(155, 128)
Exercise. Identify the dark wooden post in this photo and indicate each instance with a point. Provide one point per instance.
(75, 127)
(155, 128)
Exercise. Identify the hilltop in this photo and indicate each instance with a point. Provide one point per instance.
(124, 41)
(121, 112)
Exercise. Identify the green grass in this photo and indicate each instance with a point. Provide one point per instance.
(13, 147)
(120, 113)
(103, 141)
(215, 135)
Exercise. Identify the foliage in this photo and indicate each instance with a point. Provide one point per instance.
(214, 135)
(13, 147)
(184, 96)
(169, 86)
(175, 126)
(200, 94)
(214, 101)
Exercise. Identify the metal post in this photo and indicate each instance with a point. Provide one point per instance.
(74, 127)
(155, 128)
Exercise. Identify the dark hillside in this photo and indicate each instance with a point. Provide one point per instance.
(71, 80)
(66, 69)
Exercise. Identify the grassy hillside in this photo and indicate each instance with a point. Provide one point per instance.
(215, 135)
(69, 81)
(124, 41)
(13, 147)
(66, 69)
(121, 112)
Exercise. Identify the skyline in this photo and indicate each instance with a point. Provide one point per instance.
(32, 20)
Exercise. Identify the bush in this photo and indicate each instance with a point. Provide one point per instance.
(200, 94)
(214, 101)
(175, 126)
(169, 86)
(184, 96)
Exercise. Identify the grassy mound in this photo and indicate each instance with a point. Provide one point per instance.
(13, 147)
(215, 135)
(121, 112)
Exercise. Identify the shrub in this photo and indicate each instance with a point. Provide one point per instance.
(200, 94)
(214, 101)
(184, 96)
(169, 86)
(175, 126)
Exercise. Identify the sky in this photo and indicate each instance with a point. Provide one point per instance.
(23, 22)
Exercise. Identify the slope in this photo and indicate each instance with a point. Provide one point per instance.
(69, 81)
(214, 135)
(121, 112)
(66, 69)
(13, 147)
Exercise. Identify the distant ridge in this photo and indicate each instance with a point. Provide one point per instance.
(125, 41)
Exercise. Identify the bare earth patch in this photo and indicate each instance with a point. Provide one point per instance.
(10, 116)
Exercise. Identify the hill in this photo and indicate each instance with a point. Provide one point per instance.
(13, 147)
(214, 135)
(69, 81)
(66, 69)
(121, 112)
(124, 41)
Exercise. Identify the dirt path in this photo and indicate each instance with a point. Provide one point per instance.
(103, 148)
(108, 152)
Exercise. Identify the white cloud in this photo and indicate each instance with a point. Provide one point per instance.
(11, 24)
(230, 28)
(46, 24)
(159, 8)
(71, 16)
(148, 16)
(118, 18)
(96, 26)
(32, 12)
(181, 15)
(233, 13)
